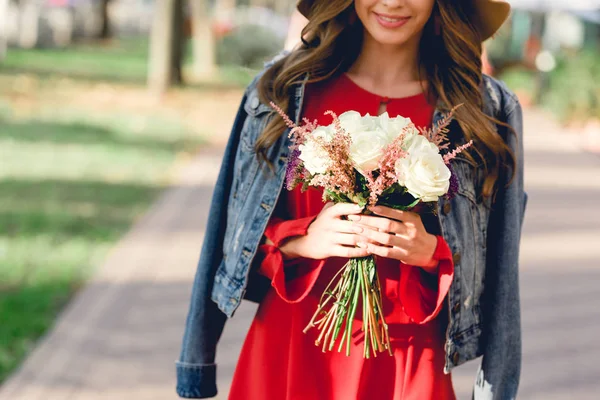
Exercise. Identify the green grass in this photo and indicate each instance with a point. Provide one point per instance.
(518, 78)
(74, 176)
(123, 60)
(69, 189)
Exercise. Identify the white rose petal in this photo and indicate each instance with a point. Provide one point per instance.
(367, 149)
(423, 171)
(315, 157)
(351, 121)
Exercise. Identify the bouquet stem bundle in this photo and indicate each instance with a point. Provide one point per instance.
(356, 284)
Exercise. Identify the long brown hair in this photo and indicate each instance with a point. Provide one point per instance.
(451, 61)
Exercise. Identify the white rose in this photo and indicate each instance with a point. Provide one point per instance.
(423, 171)
(394, 126)
(352, 121)
(368, 140)
(367, 149)
(315, 157)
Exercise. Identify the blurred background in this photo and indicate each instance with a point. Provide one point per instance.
(113, 118)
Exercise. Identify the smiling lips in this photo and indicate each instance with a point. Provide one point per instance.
(390, 21)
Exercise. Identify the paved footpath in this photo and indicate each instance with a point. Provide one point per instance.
(120, 336)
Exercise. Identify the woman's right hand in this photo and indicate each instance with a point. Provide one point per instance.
(328, 236)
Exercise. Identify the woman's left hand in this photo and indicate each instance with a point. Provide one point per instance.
(397, 234)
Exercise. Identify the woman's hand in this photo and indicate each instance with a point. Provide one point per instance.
(397, 234)
(328, 236)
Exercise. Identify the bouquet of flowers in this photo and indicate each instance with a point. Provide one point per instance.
(367, 160)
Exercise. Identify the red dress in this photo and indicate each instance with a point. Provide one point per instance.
(279, 362)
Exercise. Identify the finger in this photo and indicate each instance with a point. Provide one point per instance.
(350, 252)
(327, 205)
(387, 252)
(381, 223)
(346, 239)
(342, 226)
(350, 239)
(380, 238)
(404, 216)
(340, 209)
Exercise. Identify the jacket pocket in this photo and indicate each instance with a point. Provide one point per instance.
(471, 218)
(258, 116)
(245, 168)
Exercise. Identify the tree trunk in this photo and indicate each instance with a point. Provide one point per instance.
(161, 46)
(105, 31)
(203, 40)
(178, 44)
(3, 28)
(29, 23)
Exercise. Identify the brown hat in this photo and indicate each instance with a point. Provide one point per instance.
(490, 14)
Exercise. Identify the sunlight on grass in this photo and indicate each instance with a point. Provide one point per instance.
(69, 189)
(84, 150)
(125, 60)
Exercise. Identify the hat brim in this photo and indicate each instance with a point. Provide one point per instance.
(491, 14)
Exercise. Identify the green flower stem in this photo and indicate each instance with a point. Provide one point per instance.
(328, 296)
(322, 326)
(350, 296)
(366, 314)
(373, 310)
(347, 288)
(356, 282)
(352, 310)
(369, 320)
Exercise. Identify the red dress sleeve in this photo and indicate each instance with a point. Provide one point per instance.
(422, 302)
(292, 279)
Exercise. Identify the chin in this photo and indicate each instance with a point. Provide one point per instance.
(389, 38)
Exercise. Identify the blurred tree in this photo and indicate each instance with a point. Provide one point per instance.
(3, 28)
(166, 45)
(282, 7)
(105, 31)
(179, 42)
(203, 41)
(225, 8)
(29, 19)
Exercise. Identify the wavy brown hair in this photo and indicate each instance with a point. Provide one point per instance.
(451, 61)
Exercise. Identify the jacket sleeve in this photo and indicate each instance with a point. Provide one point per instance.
(196, 369)
(500, 369)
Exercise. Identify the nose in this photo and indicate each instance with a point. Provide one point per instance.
(392, 3)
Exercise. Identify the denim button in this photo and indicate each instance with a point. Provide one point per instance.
(233, 301)
(447, 208)
(456, 258)
(455, 358)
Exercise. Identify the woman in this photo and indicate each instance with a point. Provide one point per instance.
(450, 279)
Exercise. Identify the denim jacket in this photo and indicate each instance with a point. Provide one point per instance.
(483, 237)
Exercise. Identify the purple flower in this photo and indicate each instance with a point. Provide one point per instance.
(291, 173)
(454, 184)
